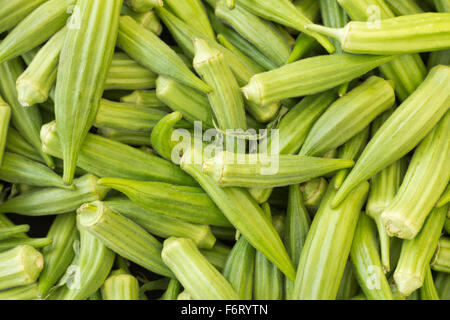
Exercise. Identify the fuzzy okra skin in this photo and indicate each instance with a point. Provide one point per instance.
(432, 34)
(194, 272)
(162, 225)
(416, 254)
(60, 253)
(48, 201)
(107, 158)
(120, 287)
(143, 5)
(309, 76)
(328, 245)
(150, 51)
(243, 212)
(263, 170)
(5, 116)
(404, 129)
(427, 176)
(20, 266)
(122, 236)
(183, 202)
(86, 56)
(285, 13)
(367, 262)
(225, 98)
(441, 261)
(349, 115)
(12, 12)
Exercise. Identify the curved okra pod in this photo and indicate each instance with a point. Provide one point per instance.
(442, 283)
(287, 14)
(428, 290)
(416, 254)
(13, 231)
(149, 20)
(367, 262)
(217, 255)
(328, 244)
(16, 144)
(441, 261)
(107, 158)
(143, 5)
(262, 170)
(120, 287)
(20, 266)
(29, 292)
(404, 129)
(12, 12)
(144, 98)
(182, 202)
(427, 176)
(303, 45)
(86, 56)
(162, 133)
(225, 98)
(5, 116)
(195, 273)
(60, 253)
(359, 37)
(173, 290)
(48, 201)
(309, 76)
(162, 225)
(122, 236)
(349, 115)
(243, 212)
(150, 51)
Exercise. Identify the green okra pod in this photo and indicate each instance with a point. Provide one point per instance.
(33, 242)
(150, 51)
(162, 225)
(183, 202)
(12, 12)
(217, 255)
(194, 272)
(360, 38)
(15, 143)
(447, 226)
(333, 16)
(162, 135)
(442, 284)
(20, 266)
(441, 261)
(13, 231)
(264, 170)
(148, 20)
(145, 98)
(404, 129)
(427, 176)
(143, 5)
(310, 8)
(26, 120)
(48, 201)
(367, 262)
(309, 76)
(243, 212)
(287, 14)
(86, 56)
(445, 197)
(404, 7)
(303, 45)
(120, 287)
(107, 158)
(60, 253)
(29, 292)
(134, 138)
(328, 245)
(225, 98)
(173, 290)
(428, 290)
(122, 236)
(5, 116)
(224, 233)
(442, 5)
(416, 254)
(349, 115)
(349, 285)
(36, 28)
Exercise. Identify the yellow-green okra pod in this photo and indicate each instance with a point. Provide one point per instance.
(143, 5)
(443, 56)
(349, 115)
(328, 245)
(120, 287)
(32, 242)
(217, 255)
(12, 12)
(29, 292)
(427, 176)
(145, 98)
(404, 129)
(5, 116)
(85, 58)
(148, 20)
(161, 138)
(442, 283)
(195, 273)
(15, 143)
(404, 7)
(445, 197)
(173, 290)
(122, 236)
(441, 261)
(428, 290)
(13, 231)
(416, 254)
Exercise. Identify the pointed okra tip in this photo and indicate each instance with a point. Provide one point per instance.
(89, 214)
(204, 52)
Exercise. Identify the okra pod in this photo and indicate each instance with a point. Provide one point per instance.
(173, 290)
(367, 262)
(441, 261)
(361, 38)
(263, 170)
(194, 272)
(442, 5)
(416, 254)
(224, 233)
(445, 197)
(143, 5)
(20, 266)
(309, 76)
(161, 138)
(333, 16)
(428, 290)
(143, 98)
(287, 14)
(122, 236)
(29, 292)
(182, 202)
(134, 138)
(48, 201)
(16, 144)
(150, 51)
(5, 116)
(36, 243)
(349, 285)
(327, 246)
(107, 158)
(12, 12)
(120, 287)
(427, 176)
(13, 231)
(404, 7)
(148, 20)
(86, 55)
(443, 285)
(349, 115)
(303, 45)
(217, 255)
(60, 253)
(404, 129)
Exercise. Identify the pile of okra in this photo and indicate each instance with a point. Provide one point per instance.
(221, 149)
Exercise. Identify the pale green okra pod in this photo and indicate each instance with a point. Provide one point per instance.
(143, 5)
(5, 116)
(12, 12)
(428, 290)
(29, 292)
(217, 255)
(148, 20)
(441, 261)
(145, 98)
(13, 231)
(120, 287)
